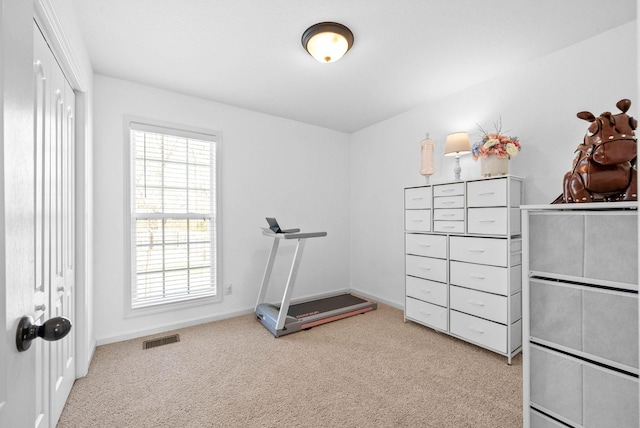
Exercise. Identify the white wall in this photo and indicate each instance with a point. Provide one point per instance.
(269, 167)
(349, 185)
(538, 103)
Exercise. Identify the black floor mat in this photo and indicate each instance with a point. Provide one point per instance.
(301, 310)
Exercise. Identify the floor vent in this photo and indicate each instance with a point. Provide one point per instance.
(154, 343)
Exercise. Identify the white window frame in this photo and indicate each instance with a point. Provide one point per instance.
(131, 122)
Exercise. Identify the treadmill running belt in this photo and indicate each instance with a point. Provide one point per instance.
(314, 307)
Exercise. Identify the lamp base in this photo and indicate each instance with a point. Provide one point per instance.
(457, 170)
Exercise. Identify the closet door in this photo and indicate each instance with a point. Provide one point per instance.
(54, 229)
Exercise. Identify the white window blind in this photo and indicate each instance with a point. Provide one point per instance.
(173, 215)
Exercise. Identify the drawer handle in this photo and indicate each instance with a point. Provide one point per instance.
(477, 276)
(486, 193)
(448, 202)
(447, 190)
(448, 227)
(425, 290)
(476, 250)
(426, 313)
(418, 199)
(477, 330)
(425, 268)
(417, 221)
(424, 245)
(487, 221)
(448, 215)
(476, 303)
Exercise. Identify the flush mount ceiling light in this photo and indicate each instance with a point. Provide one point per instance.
(327, 41)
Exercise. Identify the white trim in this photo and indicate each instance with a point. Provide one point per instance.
(171, 326)
(171, 306)
(144, 124)
(176, 216)
(242, 312)
(369, 296)
(175, 130)
(138, 121)
(47, 20)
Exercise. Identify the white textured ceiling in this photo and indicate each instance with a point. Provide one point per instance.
(247, 53)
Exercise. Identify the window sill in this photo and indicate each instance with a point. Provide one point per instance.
(170, 307)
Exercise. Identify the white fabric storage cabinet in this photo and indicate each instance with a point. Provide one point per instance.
(580, 315)
(463, 260)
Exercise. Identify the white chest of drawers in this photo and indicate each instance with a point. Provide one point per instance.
(463, 257)
(580, 315)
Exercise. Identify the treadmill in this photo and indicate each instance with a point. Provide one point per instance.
(288, 318)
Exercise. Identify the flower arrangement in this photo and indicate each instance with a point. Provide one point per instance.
(496, 143)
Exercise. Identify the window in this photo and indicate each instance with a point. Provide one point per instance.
(173, 219)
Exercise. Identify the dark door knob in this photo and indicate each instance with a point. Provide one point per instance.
(53, 329)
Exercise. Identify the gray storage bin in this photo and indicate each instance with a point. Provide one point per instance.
(557, 384)
(610, 326)
(551, 238)
(556, 313)
(611, 243)
(600, 246)
(579, 392)
(539, 420)
(597, 322)
(610, 399)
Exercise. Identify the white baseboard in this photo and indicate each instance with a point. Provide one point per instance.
(377, 299)
(169, 327)
(192, 322)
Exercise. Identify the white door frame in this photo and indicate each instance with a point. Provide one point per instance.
(47, 20)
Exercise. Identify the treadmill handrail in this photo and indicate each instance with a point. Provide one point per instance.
(293, 235)
(301, 237)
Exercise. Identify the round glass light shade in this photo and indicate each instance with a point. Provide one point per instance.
(327, 41)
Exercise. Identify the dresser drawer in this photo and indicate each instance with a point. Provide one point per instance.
(428, 291)
(449, 202)
(489, 251)
(417, 220)
(581, 393)
(493, 221)
(589, 320)
(449, 214)
(427, 268)
(486, 333)
(426, 245)
(539, 420)
(492, 279)
(598, 246)
(417, 198)
(426, 313)
(448, 226)
(480, 304)
(448, 189)
(487, 193)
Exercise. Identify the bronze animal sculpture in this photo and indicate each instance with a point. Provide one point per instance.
(604, 170)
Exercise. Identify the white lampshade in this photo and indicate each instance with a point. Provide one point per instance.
(327, 41)
(457, 144)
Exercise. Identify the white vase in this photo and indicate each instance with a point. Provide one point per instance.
(492, 166)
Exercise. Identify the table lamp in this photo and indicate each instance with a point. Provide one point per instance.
(457, 144)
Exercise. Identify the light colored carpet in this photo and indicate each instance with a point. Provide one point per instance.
(371, 370)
